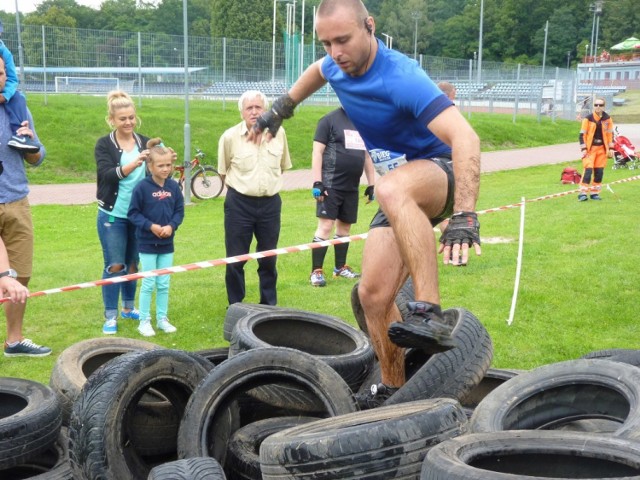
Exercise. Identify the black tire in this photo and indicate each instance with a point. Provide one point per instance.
(551, 396)
(358, 311)
(52, 464)
(383, 443)
(532, 455)
(327, 338)
(243, 453)
(197, 468)
(100, 443)
(214, 355)
(76, 363)
(454, 373)
(607, 354)
(30, 420)
(491, 380)
(238, 310)
(206, 183)
(211, 415)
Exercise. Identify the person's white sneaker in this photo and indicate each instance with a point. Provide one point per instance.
(165, 326)
(145, 328)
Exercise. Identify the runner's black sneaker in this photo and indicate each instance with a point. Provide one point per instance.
(375, 396)
(24, 144)
(425, 329)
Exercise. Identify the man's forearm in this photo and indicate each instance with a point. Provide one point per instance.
(308, 83)
(466, 169)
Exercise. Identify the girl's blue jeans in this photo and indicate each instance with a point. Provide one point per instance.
(120, 253)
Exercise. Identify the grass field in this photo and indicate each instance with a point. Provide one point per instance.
(70, 125)
(630, 111)
(577, 293)
(578, 286)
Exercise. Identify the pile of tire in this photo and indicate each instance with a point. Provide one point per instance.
(278, 403)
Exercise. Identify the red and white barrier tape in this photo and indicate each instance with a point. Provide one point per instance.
(267, 253)
(196, 266)
(553, 195)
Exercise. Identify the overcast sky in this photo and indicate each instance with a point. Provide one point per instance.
(27, 6)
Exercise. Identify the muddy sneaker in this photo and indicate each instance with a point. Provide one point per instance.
(425, 329)
(26, 348)
(345, 272)
(317, 278)
(375, 396)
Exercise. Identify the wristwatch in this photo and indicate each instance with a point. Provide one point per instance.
(9, 273)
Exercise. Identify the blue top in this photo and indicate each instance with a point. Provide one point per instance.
(14, 185)
(12, 77)
(127, 184)
(151, 203)
(391, 105)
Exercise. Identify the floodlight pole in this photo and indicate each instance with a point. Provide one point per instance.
(187, 127)
(20, 55)
(416, 16)
(480, 42)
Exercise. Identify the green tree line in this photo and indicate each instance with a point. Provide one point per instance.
(513, 30)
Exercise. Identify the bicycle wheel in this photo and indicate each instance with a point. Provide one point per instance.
(206, 183)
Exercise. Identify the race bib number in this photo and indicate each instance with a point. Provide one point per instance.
(384, 160)
(353, 140)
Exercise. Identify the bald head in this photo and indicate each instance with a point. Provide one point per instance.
(329, 7)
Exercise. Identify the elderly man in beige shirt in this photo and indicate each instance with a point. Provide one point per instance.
(253, 175)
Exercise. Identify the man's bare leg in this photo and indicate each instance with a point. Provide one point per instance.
(15, 315)
(382, 275)
(410, 196)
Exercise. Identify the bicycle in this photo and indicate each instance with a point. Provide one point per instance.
(206, 182)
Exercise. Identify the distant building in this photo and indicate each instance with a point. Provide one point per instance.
(617, 71)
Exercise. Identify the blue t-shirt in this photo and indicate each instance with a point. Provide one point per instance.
(390, 105)
(127, 184)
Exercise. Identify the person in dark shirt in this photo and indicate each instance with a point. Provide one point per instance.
(338, 160)
(157, 210)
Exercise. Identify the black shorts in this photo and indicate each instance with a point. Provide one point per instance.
(339, 205)
(381, 220)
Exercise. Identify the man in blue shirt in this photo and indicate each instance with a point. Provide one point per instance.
(420, 144)
(16, 226)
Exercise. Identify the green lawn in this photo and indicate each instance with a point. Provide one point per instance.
(70, 125)
(578, 286)
(577, 289)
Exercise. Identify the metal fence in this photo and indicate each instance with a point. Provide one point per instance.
(62, 60)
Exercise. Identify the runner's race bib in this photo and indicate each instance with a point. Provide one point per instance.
(384, 160)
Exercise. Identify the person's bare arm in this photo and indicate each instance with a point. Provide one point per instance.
(451, 127)
(463, 229)
(369, 171)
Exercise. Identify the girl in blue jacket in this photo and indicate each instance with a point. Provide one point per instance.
(157, 210)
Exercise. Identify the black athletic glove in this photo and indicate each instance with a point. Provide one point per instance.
(463, 228)
(368, 192)
(318, 190)
(281, 109)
